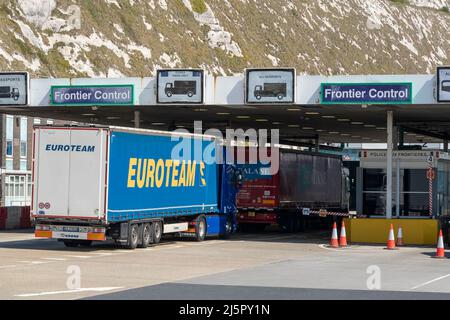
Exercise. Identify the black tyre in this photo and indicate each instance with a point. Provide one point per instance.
(146, 236)
(228, 229)
(190, 94)
(157, 231)
(258, 97)
(288, 224)
(169, 94)
(280, 96)
(200, 229)
(133, 236)
(70, 244)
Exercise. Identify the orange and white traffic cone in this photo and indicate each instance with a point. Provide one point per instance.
(400, 236)
(343, 236)
(334, 237)
(391, 239)
(440, 253)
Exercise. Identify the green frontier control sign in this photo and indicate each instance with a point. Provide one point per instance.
(92, 95)
(366, 93)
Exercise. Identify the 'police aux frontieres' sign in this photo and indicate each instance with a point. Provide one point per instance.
(92, 95)
(366, 93)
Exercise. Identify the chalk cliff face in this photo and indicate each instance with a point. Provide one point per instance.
(61, 38)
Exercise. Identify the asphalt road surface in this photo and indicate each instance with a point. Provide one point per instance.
(248, 266)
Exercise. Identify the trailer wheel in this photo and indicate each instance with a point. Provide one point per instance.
(200, 228)
(228, 229)
(157, 231)
(258, 97)
(146, 235)
(169, 94)
(133, 236)
(190, 94)
(280, 96)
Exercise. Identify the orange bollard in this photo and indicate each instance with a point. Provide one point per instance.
(334, 238)
(440, 251)
(391, 239)
(343, 236)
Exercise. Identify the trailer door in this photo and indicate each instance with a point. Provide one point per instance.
(51, 179)
(87, 167)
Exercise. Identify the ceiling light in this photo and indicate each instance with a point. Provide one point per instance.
(293, 109)
(307, 128)
(157, 123)
(293, 126)
(369, 125)
(345, 134)
(311, 113)
(328, 117)
(276, 123)
(334, 132)
(222, 113)
(357, 122)
(200, 110)
(261, 120)
(320, 130)
(343, 120)
(88, 114)
(243, 117)
(381, 128)
(112, 118)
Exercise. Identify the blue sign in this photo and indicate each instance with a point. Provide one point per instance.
(92, 95)
(366, 93)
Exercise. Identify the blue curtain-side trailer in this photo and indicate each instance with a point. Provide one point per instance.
(129, 185)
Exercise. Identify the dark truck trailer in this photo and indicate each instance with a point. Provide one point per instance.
(271, 90)
(6, 92)
(188, 88)
(305, 182)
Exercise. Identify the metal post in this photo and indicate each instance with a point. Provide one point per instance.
(137, 119)
(390, 146)
(397, 198)
(445, 145)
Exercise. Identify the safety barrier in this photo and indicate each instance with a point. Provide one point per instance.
(15, 218)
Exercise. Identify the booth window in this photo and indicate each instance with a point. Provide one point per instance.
(413, 200)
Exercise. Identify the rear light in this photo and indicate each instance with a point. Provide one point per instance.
(98, 230)
(42, 227)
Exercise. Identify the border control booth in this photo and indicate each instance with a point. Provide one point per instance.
(420, 192)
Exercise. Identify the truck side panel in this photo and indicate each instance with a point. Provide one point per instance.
(310, 180)
(146, 180)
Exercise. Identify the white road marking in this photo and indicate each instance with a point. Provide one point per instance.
(431, 281)
(103, 253)
(161, 248)
(78, 257)
(100, 289)
(55, 259)
(8, 266)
